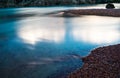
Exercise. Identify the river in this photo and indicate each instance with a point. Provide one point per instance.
(33, 45)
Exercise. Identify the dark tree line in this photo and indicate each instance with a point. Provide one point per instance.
(107, 1)
(22, 3)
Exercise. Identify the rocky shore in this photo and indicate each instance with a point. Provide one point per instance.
(99, 12)
(103, 62)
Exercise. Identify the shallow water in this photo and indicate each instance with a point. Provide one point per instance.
(37, 46)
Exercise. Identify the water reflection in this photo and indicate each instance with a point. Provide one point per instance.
(41, 30)
(97, 30)
(88, 29)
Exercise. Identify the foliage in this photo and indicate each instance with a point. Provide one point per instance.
(22, 3)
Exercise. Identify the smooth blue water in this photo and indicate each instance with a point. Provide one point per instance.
(36, 46)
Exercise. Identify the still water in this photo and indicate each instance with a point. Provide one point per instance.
(37, 46)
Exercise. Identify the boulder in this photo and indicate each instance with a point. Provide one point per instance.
(110, 6)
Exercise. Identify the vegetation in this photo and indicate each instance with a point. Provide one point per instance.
(107, 1)
(23, 3)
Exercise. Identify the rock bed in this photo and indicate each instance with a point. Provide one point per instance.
(103, 62)
(100, 12)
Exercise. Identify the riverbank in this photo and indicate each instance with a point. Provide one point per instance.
(103, 62)
(99, 12)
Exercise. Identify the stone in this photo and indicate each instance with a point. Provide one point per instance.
(110, 6)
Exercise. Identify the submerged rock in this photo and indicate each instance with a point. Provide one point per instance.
(103, 62)
(68, 14)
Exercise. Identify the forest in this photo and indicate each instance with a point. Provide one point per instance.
(27, 3)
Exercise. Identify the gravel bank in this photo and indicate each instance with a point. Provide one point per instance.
(103, 62)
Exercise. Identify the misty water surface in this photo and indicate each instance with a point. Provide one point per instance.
(34, 45)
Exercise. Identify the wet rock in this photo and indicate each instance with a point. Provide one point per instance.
(110, 6)
(103, 62)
